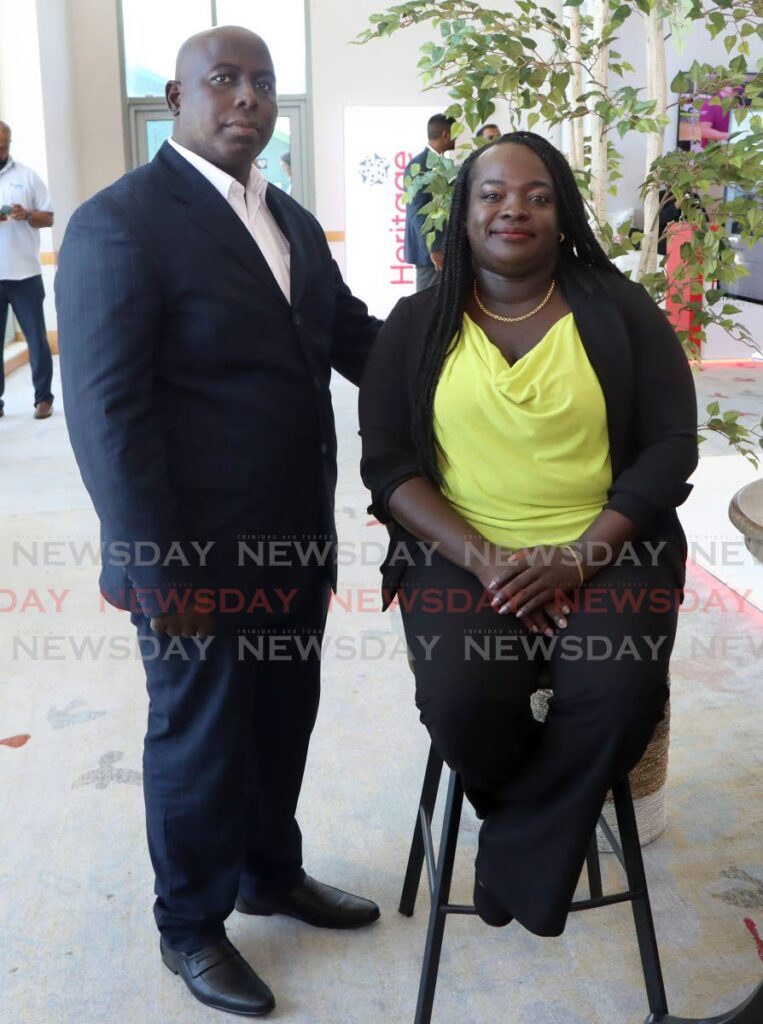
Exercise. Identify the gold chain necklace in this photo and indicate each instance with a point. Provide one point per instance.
(513, 319)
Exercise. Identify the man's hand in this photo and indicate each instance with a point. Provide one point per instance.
(188, 623)
(17, 212)
(436, 258)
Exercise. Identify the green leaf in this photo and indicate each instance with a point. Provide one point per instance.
(681, 83)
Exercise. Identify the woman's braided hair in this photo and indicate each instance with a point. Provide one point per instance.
(579, 246)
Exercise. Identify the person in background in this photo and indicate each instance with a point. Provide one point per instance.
(714, 122)
(427, 262)
(25, 207)
(286, 167)
(489, 132)
(200, 317)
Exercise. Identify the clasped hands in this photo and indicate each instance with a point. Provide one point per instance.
(533, 584)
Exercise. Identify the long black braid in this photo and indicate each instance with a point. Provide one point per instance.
(454, 282)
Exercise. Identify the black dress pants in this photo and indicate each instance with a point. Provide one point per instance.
(540, 787)
(229, 725)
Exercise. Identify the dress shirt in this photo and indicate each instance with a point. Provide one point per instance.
(250, 206)
(19, 241)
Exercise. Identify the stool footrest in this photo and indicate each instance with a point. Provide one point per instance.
(605, 901)
(458, 908)
(598, 901)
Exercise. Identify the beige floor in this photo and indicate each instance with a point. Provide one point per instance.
(77, 942)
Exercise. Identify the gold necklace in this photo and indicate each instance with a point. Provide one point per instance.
(513, 319)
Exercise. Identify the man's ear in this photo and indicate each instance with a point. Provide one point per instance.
(172, 92)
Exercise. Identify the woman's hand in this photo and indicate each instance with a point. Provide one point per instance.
(533, 584)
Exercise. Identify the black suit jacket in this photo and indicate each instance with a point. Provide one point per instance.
(197, 398)
(416, 250)
(644, 375)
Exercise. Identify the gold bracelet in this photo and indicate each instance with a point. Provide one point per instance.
(578, 560)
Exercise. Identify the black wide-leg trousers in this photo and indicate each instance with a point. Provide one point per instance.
(229, 724)
(540, 787)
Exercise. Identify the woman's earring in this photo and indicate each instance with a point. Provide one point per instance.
(561, 237)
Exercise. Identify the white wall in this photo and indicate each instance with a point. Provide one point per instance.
(381, 73)
(60, 121)
(96, 92)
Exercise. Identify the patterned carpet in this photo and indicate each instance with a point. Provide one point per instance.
(78, 941)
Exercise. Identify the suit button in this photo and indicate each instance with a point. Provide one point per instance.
(297, 319)
(324, 447)
(317, 382)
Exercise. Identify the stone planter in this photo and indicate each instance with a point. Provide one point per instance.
(746, 513)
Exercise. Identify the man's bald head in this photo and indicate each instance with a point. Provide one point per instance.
(204, 45)
(224, 97)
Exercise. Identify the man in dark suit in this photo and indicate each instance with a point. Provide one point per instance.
(428, 263)
(200, 315)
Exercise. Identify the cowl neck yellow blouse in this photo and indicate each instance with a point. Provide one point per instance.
(525, 449)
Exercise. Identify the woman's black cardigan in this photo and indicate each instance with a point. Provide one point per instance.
(648, 392)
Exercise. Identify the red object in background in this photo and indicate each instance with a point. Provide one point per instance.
(681, 293)
(15, 741)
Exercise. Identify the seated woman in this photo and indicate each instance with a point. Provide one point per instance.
(533, 417)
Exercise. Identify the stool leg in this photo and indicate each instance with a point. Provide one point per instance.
(750, 1011)
(440, 896)
(594, 868)
(642, 911)
(416, 856)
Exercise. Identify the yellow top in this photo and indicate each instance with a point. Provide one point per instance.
(526, 450)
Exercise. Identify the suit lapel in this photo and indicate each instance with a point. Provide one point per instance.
(214, 216)
(290, 228)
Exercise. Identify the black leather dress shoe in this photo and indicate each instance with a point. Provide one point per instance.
(316, 904)
(488, 907)
(220, 977)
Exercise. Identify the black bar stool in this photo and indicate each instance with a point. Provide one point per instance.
(628, 852)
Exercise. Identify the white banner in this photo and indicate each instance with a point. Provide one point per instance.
(378, 143)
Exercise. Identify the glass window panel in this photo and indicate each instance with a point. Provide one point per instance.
(282, 26)
(157, 132)
(269, 161)
(153, 33)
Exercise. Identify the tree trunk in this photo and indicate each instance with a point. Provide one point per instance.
(599, 171)
(574, 92)
(657, 89)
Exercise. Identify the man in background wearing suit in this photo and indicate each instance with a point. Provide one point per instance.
(428, 263)
(200, 315)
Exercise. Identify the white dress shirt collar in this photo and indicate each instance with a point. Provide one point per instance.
(221, 180)
(250, 206)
